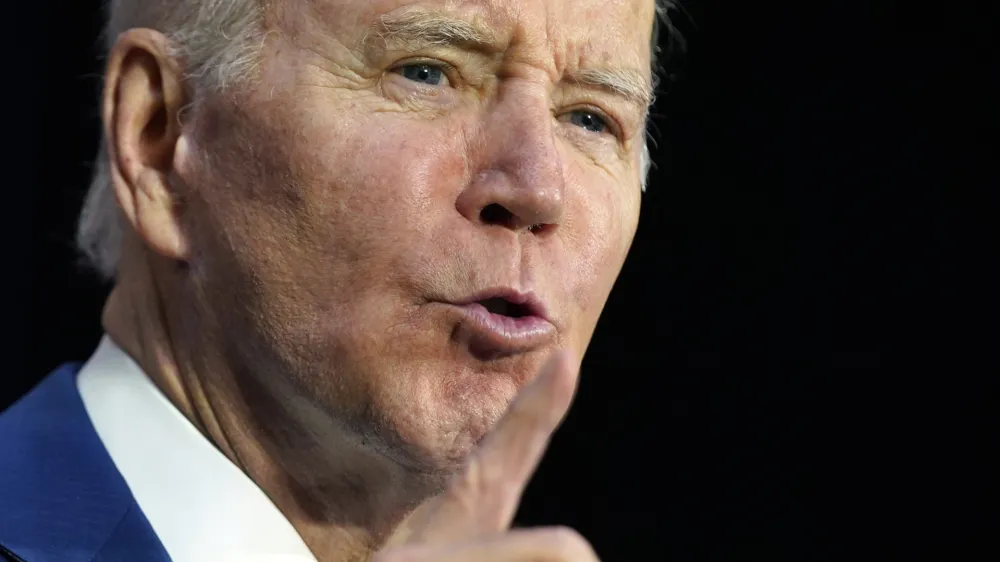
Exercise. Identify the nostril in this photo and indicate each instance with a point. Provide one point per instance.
(496, 213)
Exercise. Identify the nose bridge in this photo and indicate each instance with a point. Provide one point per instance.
(522, 148)
(529, 152)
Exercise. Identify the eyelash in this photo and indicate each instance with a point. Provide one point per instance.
(454, 77)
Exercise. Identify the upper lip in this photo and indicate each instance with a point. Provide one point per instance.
(528, 301)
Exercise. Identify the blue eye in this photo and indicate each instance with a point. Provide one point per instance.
(589, 120)
(423, 73)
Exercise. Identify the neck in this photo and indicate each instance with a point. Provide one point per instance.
(342, 497)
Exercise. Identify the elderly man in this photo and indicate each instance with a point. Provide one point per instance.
(358, 249)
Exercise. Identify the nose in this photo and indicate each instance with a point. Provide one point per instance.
(517, 168)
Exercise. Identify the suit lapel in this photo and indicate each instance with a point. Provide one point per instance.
(61, 497)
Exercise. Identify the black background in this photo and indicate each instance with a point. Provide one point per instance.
(798, 362)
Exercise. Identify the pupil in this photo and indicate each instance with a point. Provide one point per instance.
(423, 73)
(589, 121)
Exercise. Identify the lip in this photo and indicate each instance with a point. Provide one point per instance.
(489, 334)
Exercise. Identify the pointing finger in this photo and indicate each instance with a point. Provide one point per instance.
(484, 496)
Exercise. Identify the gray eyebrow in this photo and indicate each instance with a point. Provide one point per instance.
(631, 84)
(417, 28)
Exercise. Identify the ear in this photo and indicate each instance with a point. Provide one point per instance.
(143, 95)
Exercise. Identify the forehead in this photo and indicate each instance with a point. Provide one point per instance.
(600, 31)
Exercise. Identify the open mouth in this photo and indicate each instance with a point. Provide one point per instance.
(501, 322)
(504, 307)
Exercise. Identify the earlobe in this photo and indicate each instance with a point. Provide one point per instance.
(143, 94)
(156, 218)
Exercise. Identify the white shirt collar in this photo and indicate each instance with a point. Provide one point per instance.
(200, 504)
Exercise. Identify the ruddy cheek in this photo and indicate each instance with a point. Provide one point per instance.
(427, 161)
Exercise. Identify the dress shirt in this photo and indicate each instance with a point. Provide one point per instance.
(200, 504)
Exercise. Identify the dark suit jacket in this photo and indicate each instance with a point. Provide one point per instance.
(61, 497)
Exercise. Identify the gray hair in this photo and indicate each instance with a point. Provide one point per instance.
(219, 42)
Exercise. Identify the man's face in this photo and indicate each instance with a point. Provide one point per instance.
(417, 202)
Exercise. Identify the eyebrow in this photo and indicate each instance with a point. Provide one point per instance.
(416, 28)
(628, 83)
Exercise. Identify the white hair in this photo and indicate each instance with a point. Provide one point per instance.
(219, 43)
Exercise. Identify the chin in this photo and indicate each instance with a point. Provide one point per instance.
(414, 395)
(438, 420)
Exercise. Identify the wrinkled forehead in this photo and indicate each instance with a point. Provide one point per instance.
(570, 32)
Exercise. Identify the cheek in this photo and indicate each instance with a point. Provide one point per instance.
(381, 181)
(312, 199)
(605, 224)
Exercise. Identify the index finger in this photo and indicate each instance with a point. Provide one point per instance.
(483, 498)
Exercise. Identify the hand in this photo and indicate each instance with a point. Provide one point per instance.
(470, 520)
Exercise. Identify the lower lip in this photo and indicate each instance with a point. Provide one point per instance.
(495, 334)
